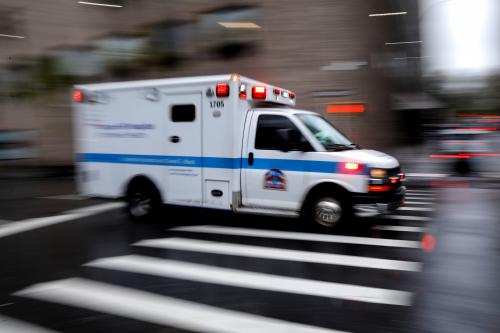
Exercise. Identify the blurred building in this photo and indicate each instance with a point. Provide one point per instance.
(340, 61)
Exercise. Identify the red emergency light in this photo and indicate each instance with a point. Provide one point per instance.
(222, 90)
(78, 96)
(259, 92)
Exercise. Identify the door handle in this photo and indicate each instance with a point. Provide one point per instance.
(174, 139)
(250, 159)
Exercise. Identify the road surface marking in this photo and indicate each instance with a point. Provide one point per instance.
(254, 280)
(412, 197)
(420, 191)
(417, 209)
(40, 222)
(418, 203)
(427, 175)
(399, 228)
(429, 195)
(157, 309)
(66, 197)
(407, 217)
(9, 325)
(303, 236)
(251, 251)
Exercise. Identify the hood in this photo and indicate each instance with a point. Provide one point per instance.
(369, 157)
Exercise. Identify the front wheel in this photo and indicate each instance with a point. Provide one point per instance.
(328, 212)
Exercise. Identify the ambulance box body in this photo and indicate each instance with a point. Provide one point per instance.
(224, 142)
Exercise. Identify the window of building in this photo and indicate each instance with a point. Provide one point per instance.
(266, 137)
(219, 38)
(183, 113)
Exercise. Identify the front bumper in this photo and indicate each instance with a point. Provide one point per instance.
(371, 204)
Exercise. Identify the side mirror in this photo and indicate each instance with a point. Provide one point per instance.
(291, 139)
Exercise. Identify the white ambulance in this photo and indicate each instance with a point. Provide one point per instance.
(224, 142)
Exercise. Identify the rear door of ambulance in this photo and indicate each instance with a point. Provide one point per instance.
(182, 142)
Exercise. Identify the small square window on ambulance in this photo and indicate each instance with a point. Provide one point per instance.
(183, 113)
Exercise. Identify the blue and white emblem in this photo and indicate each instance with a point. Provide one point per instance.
(275, 179)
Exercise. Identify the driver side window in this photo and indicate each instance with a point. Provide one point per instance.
(266, 136)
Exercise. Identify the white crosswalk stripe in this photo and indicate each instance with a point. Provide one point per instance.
(10, 325)
(411, 197)
(415, 194)
(418, 203)
(420, 191)
(279, 254)
(408, 218)
(253, 280)
(303, 236)
(417, 209)
(161, 310)
(399, 228)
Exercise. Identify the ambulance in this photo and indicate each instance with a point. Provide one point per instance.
(224, 142)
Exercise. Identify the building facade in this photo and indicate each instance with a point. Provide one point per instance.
(339, 60)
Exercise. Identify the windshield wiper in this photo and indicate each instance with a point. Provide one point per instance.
(338, 146)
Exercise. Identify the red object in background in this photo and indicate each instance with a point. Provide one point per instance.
(222, 90)
(78, 96)
(476, 129)
(428, 243)
(449, 156)
(348, 107)
(478, 115)
(259, 92)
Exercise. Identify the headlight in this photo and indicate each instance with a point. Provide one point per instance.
(378, 173)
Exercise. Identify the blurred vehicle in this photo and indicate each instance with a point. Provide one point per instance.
(225, 142)
(465, 147)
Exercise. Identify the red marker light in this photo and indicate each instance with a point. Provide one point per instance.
(243, 91)
(222, 90)
(259, 92)
(77, 96)
(292, 95)
(276, 91)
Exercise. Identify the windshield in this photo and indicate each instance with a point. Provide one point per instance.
(325, 133)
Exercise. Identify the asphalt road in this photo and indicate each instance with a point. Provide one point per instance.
(73, 265)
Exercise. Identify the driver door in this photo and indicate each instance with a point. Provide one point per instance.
(272, 178)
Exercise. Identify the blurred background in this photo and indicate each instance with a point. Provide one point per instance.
(399, 75)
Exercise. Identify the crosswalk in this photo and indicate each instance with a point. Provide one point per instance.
(189, 278)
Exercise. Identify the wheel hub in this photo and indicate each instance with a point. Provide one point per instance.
(327, 213)
(140, 205)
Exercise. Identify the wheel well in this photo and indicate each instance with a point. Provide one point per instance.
(141, 180)
(322, 189)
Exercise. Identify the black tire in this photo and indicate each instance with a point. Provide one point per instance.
(328, 211)
(143, 201)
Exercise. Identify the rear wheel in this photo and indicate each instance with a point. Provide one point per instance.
(143, 201)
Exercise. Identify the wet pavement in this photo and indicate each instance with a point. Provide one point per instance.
(213, 272)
